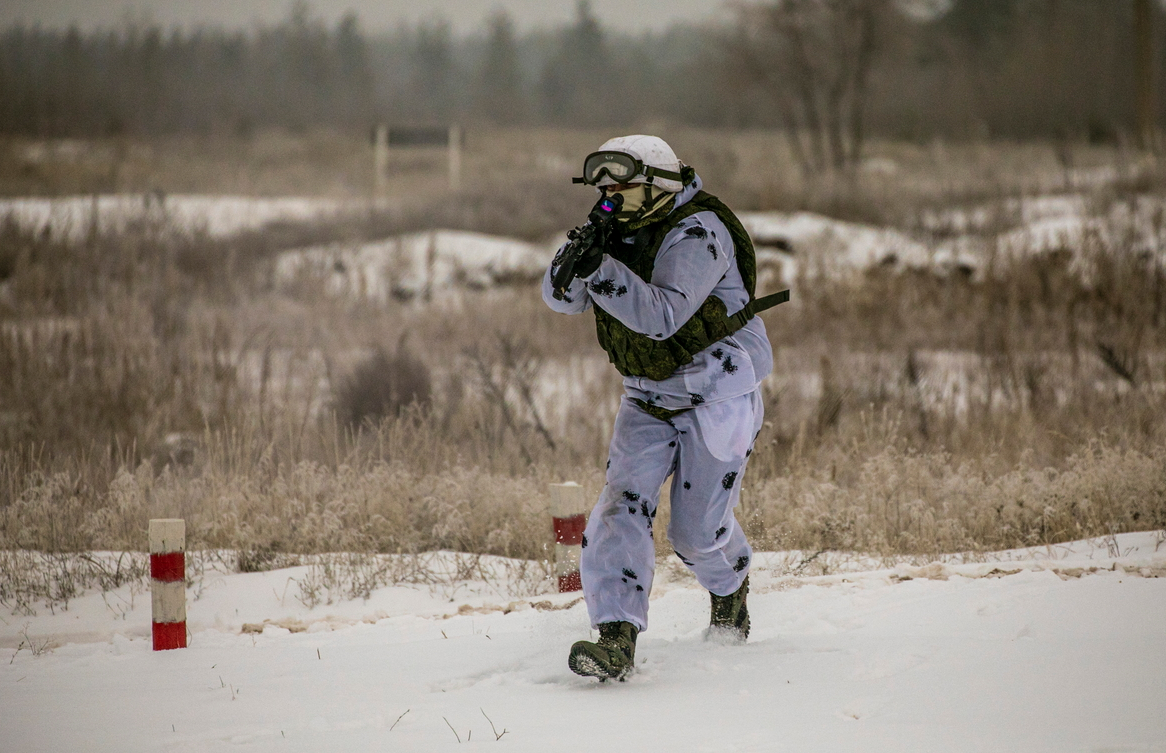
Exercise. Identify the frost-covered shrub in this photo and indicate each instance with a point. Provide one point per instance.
(383, 386)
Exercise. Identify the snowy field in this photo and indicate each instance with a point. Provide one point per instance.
(215, 215)
(415, 264)
(787, 244)
(1057, 649)
(440, 260)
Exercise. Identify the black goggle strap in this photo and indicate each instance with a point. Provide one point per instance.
(651, 172)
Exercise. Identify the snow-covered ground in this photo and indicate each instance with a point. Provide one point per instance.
(442, 260)
(415, 264)
(1056, 649)
(814, 238)
(957, 238)
(216, 215)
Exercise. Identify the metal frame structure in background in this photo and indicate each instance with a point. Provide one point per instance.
(404, 137)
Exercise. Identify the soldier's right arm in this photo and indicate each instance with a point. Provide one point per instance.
(575, 301)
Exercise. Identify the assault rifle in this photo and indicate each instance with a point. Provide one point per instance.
(585, 240)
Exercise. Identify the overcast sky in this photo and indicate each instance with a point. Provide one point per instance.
(466, 16)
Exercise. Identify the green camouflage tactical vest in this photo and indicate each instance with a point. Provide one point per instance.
(636, 354)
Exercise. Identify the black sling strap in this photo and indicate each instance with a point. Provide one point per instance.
(758, 305)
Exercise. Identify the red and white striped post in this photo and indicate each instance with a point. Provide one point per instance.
(168, 582)
(569, 518)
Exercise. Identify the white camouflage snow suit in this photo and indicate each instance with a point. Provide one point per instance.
(704, 448)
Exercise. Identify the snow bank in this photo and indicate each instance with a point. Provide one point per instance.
(832, 243)
(1043, 224)
(967, 238)
(1053, 649)
(787, 243)
(439, 260)
(415, 265)
(217, 216)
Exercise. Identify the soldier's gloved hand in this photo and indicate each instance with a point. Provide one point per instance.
(588, 262)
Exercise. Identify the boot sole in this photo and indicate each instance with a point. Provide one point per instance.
(586, 665)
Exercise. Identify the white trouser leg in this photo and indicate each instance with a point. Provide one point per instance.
(706, 453)
(706, 487)
(619, 558)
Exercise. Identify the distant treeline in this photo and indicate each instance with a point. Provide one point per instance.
(1015, 68)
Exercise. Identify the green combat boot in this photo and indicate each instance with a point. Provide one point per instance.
(614, 656)
(729, 621)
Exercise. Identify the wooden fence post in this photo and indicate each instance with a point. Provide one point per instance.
(380, 161)
(455, 158)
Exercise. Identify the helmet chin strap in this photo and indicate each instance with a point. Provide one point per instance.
(647, 204)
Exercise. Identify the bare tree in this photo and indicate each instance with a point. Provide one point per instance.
(813, 59)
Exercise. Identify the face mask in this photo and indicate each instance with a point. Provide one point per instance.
(639, 201)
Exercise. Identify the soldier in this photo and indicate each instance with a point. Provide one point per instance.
(672, 289)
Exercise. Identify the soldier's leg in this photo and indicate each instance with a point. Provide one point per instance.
(619, 558)
(714, 446)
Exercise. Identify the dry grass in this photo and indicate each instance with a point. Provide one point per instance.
(146, 374)
(33, 578)
(903, 502)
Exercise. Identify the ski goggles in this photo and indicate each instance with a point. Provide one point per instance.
(621, 168)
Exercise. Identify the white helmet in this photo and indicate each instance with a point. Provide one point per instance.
(652, 161)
